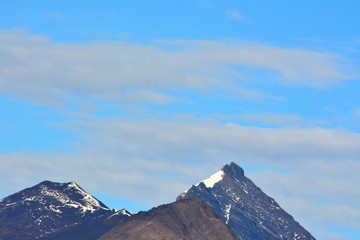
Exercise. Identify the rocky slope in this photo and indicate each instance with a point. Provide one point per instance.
(48, 208)
(245, 208)
(191, 219)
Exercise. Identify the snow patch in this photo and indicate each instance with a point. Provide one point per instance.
(10, 204)
(120, 212)
(55, 209)
(88, 202)
(126, 213)
(215, 178)
(227, 213)
(30, 198)
(183, 194)
(38, 221)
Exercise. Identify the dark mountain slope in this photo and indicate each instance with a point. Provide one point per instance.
(89, 229)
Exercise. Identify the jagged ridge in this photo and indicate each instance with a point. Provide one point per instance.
(47, 208)
(248, 211)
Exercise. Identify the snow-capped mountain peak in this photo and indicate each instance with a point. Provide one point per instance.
(68, 195)
(216, 177)
(49, 207)
(248, 211)
(231, 169)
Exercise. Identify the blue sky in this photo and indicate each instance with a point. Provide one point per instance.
(137, 100)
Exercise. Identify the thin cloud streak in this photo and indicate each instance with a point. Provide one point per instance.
(234, 14)
(34, 64)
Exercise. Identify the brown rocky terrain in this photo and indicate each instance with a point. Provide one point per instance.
(190, 219)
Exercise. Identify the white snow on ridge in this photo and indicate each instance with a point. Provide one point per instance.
(184, 193)
(209, 182)
(120, 212)
(216, 177)
(124, 212)
(92, 202)
(89, 203)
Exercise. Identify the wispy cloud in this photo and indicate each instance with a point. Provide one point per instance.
(55, 15)
(356, 113)
(33, 64)
(234, 14)
(270, 118)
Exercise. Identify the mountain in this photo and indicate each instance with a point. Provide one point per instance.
(185, 219)
(245, 208)
(226, 205)
(51, 208)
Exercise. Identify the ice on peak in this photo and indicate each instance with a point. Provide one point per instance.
(86, 203)
(74, 185)
(90, 200)
(215, 178)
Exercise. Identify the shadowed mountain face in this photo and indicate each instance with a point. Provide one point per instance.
(185, 219)
(90, 229)
(49, 208)
(248, 211)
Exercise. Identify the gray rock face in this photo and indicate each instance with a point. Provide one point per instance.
(48, 208)
(245, 208)
(185, 219)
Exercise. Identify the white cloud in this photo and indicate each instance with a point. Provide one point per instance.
(130, 158)
(213, 140)
(38, 69)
